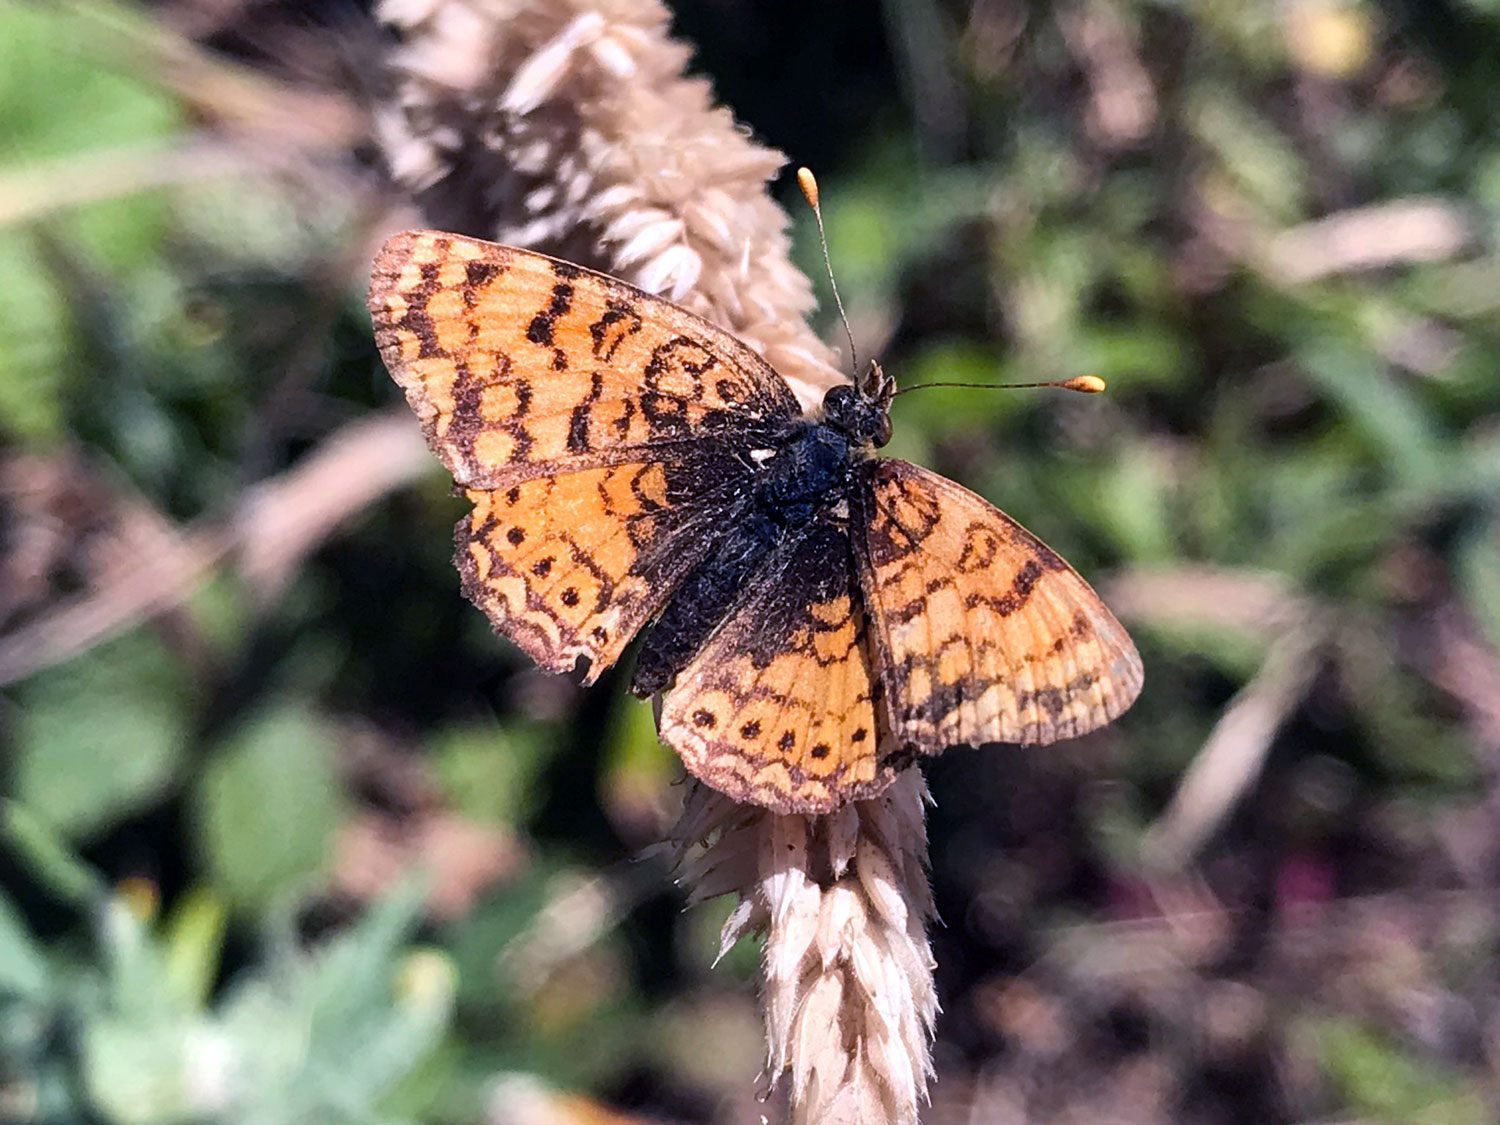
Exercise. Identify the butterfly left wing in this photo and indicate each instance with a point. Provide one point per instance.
(985, 634)
(598, 430)
(573, 565)
(780, 707)
(520, 365)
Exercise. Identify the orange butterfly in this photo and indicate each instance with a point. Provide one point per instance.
(819, 615)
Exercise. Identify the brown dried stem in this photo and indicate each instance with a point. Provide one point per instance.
(275, 525)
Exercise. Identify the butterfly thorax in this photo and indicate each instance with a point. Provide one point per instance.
(802, 476)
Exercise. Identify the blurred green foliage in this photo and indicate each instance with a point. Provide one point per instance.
(199, 914)
(324, 1036)
(56, 104)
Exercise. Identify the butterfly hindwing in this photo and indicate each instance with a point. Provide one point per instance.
(573, 565)
(520, 365)
(985, 634)
(780, 707)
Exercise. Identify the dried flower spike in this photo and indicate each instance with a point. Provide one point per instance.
(568, 126)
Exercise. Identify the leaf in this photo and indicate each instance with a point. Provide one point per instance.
(192, 941)
(33, 341)
(490, 773)
(1479, 575)
(1261, 166)
(1132, 505)
(1396, 425)
(23, 970)
(1376, 1077)
(57, 103)
(267, 808)
(134, 1072)
(135, 1051)
(100, 736)
(49, 857)
(325, 1037)
(56, 99)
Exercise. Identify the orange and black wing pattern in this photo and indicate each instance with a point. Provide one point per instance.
(571, 566)
(984, 633)
(782, 706)
(608, 442)
(520, 365)
(589, 423)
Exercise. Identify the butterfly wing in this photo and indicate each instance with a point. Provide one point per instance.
(597, 430)
(780, 707)
(573, 565)
(985, 634)
(520, 365)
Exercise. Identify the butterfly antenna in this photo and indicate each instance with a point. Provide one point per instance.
(1084, 384)
(809, 185)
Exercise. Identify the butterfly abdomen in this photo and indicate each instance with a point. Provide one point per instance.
(702, 601)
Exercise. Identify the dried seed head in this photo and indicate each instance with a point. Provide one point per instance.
(568, 126)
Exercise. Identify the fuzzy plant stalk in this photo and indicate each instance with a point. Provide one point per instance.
(846, 970)
(569, 126)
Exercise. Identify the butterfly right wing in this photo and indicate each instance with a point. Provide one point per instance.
(986, 634)
(780, 707)
(599, 432)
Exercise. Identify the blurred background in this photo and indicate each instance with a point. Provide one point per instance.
(240, 694)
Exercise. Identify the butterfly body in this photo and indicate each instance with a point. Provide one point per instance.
(815, 615)
(797, 477)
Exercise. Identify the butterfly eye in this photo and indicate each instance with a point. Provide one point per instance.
(838, 405)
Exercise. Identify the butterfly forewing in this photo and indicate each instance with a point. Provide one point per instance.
(985, 634)
(520, 365)
(780, 707)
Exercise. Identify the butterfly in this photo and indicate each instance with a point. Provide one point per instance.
(816, 616)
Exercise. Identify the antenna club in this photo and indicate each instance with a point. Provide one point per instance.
(1087, 384)
(809, 185)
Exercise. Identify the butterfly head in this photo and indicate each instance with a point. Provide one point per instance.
(862, 412)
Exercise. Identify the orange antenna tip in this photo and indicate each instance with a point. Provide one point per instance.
(1087, 384)
(809, 185)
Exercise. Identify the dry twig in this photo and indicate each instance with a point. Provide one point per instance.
(275, 525)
